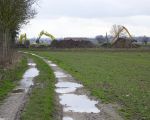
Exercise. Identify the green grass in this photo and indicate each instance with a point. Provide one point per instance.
(114, 77)
(41, 104)
(10, 77)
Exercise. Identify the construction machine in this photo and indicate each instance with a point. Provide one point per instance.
(22, 38)
(46, 34)
(123, 29)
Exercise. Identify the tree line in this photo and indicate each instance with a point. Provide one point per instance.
(13, 14)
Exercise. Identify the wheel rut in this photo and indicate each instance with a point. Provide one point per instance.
(12, 106)
(76, 101)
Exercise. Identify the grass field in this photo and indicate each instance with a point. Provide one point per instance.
(10, 77)
(116, 77)
(41, 104)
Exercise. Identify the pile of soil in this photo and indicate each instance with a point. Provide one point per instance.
(71, 44)
(124, 43)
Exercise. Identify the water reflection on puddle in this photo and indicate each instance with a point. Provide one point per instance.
(26, 83)
(28, 76)
(59, 74)
(53, 65)
(68, 84)
(70, 101)
(65, 90)
(31, 72)
(78, 103)
(67, 87)
(67, 118)
(32, 64)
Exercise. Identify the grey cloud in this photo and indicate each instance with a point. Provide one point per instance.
(93, 8)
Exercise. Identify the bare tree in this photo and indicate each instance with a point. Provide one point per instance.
(13, 14)
(118, 31)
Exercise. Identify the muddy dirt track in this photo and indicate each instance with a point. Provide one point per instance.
(75, 101)
(12, 106)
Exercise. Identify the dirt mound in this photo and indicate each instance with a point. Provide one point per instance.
(71, 44)
(124, 43)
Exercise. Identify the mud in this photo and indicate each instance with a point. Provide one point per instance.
(12, 106)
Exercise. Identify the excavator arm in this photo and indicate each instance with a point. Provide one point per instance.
(127, 32)
(117, 35)
(46, 34)
(23, 37)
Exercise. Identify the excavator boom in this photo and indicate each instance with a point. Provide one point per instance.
(121, 30)
(23, 37)
(46, 34)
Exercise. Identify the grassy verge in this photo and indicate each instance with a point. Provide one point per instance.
(10, 77)
(121, 77)
(41, 104)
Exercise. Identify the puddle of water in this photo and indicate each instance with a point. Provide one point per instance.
(53, 65)
(26, 83)
(67, 118)
(32, 64)
(49, 61)
(72, 102)
(59, 74)
(65, 90)
(28, 76)
(78, 103)
(67, 87)
(31, 72)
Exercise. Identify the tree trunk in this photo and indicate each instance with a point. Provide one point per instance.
(5, 49)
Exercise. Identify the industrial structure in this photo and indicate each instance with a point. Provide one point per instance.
(120, 41)
(46, 34)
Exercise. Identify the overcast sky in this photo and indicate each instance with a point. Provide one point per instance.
(88, 18)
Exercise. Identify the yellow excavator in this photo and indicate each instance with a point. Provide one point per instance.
(46, 34)
(119, 32)
(22, 38)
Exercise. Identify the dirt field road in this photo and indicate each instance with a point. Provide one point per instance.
(76, 101)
